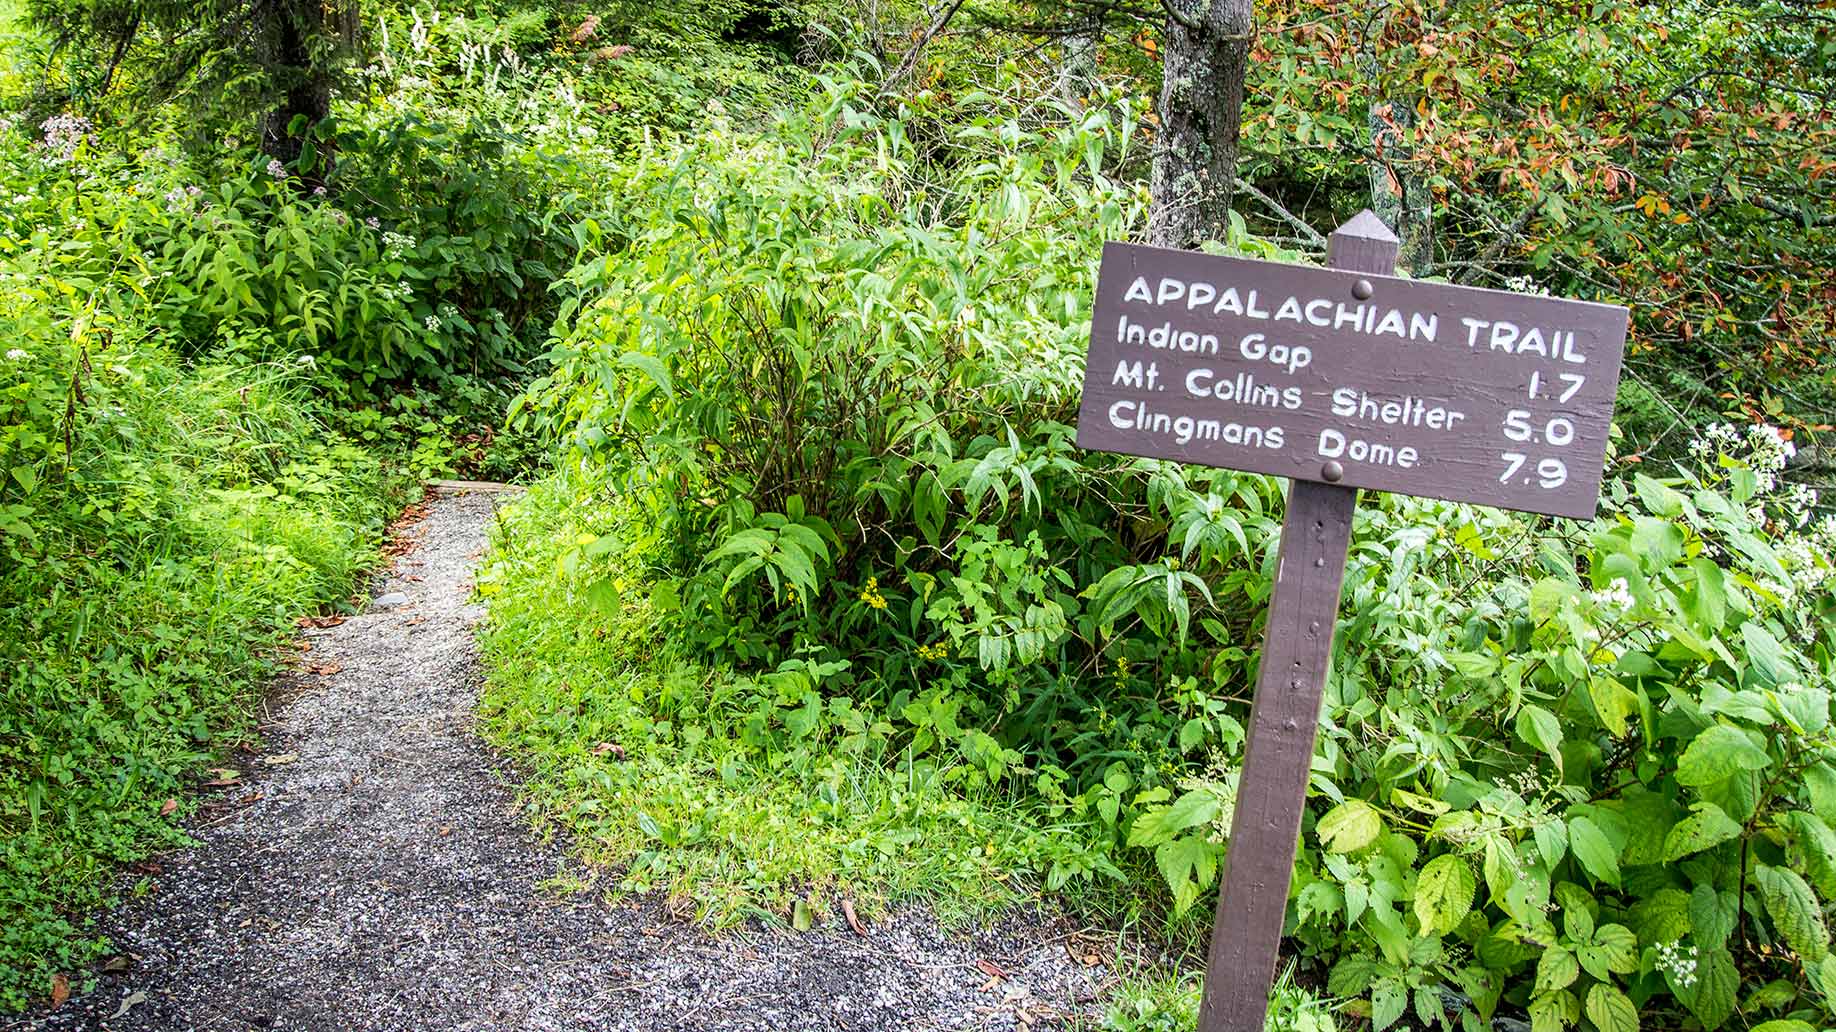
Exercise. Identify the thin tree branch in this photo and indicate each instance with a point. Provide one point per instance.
(1311, 235)
(1760, 200)
(910, 60)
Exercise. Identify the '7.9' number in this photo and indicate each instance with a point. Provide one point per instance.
(1550, 473)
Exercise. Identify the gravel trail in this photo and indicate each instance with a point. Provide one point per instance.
(370, 870)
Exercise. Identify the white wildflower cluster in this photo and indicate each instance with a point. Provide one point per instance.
(373, 222)
(1799, 501)
(432, 323)
(1524, 285)
(17, 354)
(395, 245)
(1617, 597)
(400, 292)
(64, 134)
(1799, 555)
(1718, 439)
(1678, 962)
(179, 198)
(1770, 451)
(1763, 448)
(276, 169)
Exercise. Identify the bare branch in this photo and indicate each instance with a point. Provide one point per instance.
(910, 60)
(1311, 235)
(1799, 215)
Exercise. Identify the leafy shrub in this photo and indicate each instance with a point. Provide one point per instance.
(829, 374)
(159, 527)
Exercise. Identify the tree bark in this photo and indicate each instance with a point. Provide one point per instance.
(1078, 71)
(1201, 112)
(288, 29)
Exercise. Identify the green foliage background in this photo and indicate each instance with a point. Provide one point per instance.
(815, 600)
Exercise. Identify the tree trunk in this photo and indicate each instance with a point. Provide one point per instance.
(1201, 111)
(1399, 196)
(1077, 74)
(288, 29)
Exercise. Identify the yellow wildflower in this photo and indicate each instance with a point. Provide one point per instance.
(871, 594)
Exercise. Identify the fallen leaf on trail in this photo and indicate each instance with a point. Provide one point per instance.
(318, 621)
(117, 964)
(618, 751)
(167, 807)
(224, 776)
(991, 969)
(60, 990)
(275, 761)
(325, 669)
(129, 1002)
(854, 921)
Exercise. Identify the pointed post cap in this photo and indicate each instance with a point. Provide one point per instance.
(1363, 244)
(1366, 225)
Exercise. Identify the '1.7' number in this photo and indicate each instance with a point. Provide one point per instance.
(1550, 473)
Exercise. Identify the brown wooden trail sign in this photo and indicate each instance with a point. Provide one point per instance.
(1338, 378)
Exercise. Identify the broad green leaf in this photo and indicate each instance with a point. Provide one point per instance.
(652, 367)
(1710, 601)
(1349, 826)
(1474, 666)
(1189, 865)
(1765, 652)
(1556, 969)
(1612, 949)
(1318, 899)
(1614, 703)
(1711, 995)
(1551, 840)
(1540, 730)
(1784, 1025)
(1711, 916)
(1817, 843)
(1593, 849)
(1794, 911)
(1548, 596)
(1820, 788)
(1719, 752)
(1388, 999)
(1610, 1010)
(1554, 1011)
(1351, 976)
(1659, 500)
(1662, 916)
(1706, 826)
(1192, 809)
(1444, 893)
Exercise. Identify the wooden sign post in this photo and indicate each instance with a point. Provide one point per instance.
(1339, 378)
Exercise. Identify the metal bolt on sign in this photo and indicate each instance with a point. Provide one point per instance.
(1339, 378)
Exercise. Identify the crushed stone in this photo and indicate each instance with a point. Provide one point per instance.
(371, 871)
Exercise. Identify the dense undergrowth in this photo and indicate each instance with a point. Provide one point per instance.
(160, 526)
(829, 606)
(815, 600)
